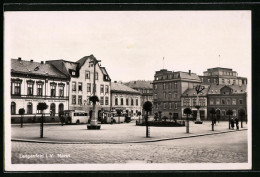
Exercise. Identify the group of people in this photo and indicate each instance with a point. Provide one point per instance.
(232, 122)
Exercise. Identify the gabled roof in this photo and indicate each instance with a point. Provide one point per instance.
(236, 89)
(35, 68)
(191, 76)
(192, 92)
(140, 84)
(121, 88)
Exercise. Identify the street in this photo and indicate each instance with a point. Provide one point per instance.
(219, 148)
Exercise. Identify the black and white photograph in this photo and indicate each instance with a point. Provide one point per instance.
(127, 90)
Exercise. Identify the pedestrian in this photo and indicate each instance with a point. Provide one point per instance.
(215, 120)
(237, 123)
(232, 123)
(112, 120)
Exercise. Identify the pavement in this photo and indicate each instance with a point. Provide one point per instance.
(113, 134)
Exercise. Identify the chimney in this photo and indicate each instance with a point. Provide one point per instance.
(189, 72)
(19, 58)
(42, 62)
(31, 60)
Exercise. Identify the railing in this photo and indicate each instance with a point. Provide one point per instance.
(39, 96)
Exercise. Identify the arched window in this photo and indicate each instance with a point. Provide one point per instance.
(61, 107)
(52, 109)
(223, 112)
(234, 112)
(13, 108)
(29, 108)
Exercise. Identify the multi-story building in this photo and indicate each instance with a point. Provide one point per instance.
(227, 97)
(81, 85)
(168, 89)
(145, 88)
(125, 99)
(223, 76)
(189, 100)
(32, 83)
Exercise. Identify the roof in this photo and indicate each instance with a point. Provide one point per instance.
(35, 68)
(191, 76)
(140, 84)
(215, 89)
(192, 92)
(119, 87)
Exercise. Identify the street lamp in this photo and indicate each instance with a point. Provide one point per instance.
(93, 122)
(199, 89)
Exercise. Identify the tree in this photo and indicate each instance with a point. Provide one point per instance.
(94, 99)
(170, 114)
(61, 116)
(139, 114)
(242, 114)
(42, 107)
(229, 113)
(21, 112)
(188, 112)
(148, 106)
(212, 112)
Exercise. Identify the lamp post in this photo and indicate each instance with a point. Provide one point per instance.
(199, 89)
(93, 122)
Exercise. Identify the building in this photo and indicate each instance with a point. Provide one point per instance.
(125, 99)
(225, 97)
(32, 83)
(168, 87)
(81, 85)
(189, 100)
(145, 88)
(223, 76)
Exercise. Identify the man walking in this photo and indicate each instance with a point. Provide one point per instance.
(237, 123)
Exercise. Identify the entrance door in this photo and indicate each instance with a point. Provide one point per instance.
(194, 115)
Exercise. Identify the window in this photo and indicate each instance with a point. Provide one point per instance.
(240, 101)
(215, 81)
(217, 101)
(164, 86)
(170, 105)
(101, 88)
(170, 95)
(228, 81)
(101, 100)
(61, 90)
(30, 88)
(234, 82)
(80, 100)
(211, 102)
(73, 99)
(175, 85)
(122, 101)
(80, 86)
(228, 101)
(88, 87)
(106, 101)
(194, 102)
(39, 89)
(223, 112)
(61, 107)
(234, 101)
(17, 89)
(13, 108)
(116, 101)
(96, 76)
(126, 101)
(136, 102)
(175, 105)
(52, 109)
(223, 101)
(29, 108)
(106, 89)
(208, 80)
(164, 105)
(155, 96)
(155, 86)
(164, 95)
(73, 86)
(132, 102)
(175, 95)
(223, 81)
(202, 102)
(53, 90)
(234, 112)
(87, 75)
(186, 102)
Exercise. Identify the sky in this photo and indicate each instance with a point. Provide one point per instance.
(132, 44)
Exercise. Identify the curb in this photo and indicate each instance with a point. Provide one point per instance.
(128, 142)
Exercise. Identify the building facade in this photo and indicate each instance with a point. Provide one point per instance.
(32, 83)
(227, 97)
(145, 88)
(189, 100)
(222, 76)
(125, 99)
(81, 85)
(168, 87)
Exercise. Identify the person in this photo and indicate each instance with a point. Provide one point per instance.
(232, 123)
(236, 120)
(215, 120)
(112, 120)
